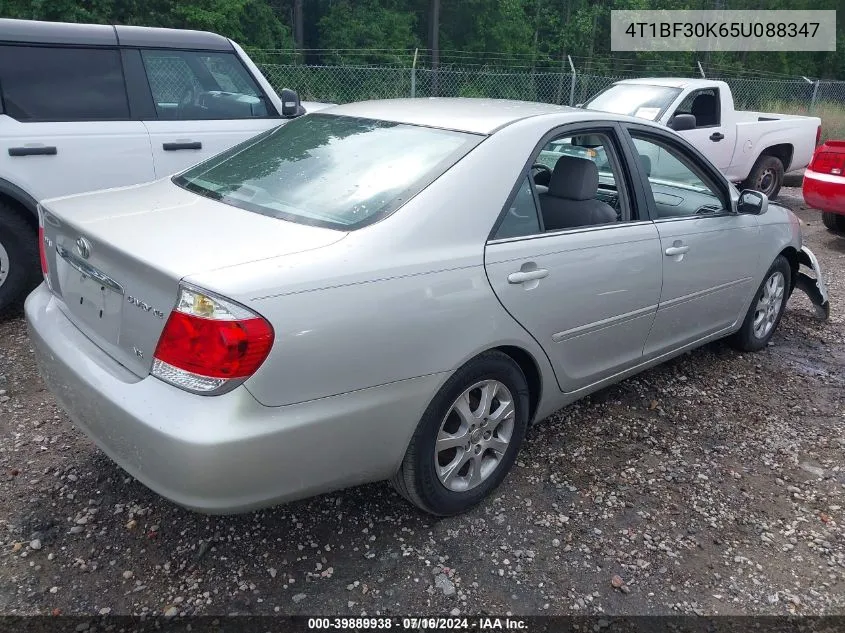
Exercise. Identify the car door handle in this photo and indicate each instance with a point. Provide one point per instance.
(172, 147)
(528, 275)
(39, 150)
(676, 250)
(717, 136)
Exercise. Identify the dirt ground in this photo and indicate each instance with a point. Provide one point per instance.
(714, 484)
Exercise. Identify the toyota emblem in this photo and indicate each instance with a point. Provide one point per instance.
(83, 248)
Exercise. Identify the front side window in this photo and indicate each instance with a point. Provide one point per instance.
(202, 85)
(640, 100)
(334, 171)
(679, 187)
(45, 83)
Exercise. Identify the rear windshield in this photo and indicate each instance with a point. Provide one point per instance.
(334, 171)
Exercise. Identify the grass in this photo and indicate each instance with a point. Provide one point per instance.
(831, 113)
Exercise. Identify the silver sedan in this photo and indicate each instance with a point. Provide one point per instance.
(393, 290)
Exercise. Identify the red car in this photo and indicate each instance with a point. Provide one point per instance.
(824, 183)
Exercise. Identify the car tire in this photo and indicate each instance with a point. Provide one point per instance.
(452, 479)
(766, 176)
(766, 309)
(833, 221)
(20, 270)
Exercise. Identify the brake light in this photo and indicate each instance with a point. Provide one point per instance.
(818, 134)
(209, 344)
(828, 163)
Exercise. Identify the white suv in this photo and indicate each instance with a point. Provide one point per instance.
(85, 107)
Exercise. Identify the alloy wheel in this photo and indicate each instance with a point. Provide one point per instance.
(769, 304)
(474, 435)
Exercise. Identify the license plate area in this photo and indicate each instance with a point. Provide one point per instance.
(91, 296)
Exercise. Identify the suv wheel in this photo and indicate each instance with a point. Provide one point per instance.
(20, 270)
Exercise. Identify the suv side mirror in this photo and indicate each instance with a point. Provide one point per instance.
(290, 103)
(681, 122)
(752, 202)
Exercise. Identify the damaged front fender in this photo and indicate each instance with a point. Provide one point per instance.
(814, 288)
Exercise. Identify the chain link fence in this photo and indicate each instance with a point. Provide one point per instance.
(345, 83)
(341, 84)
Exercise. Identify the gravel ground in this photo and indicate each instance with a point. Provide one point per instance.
(712, 484)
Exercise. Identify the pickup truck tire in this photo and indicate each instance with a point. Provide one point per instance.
(833, 221)
(766, 176)
(20, 270)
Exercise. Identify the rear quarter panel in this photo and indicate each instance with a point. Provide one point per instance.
(347, 338)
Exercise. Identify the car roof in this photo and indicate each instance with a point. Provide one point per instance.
(37, 32)
(477, 116)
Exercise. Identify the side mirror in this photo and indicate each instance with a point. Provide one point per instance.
(681, 122)
(579, 105)
(752, 202)
(290, 103)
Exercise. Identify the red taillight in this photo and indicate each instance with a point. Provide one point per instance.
(818, 134)
(42, 251)
(828, 163)
(216, 349)
(210, 343)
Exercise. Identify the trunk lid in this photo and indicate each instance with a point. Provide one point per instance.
(116, 257)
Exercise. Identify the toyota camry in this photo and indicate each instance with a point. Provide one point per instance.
(394, 290)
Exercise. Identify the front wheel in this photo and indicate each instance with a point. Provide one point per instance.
(468, 437)
(833, 221)
(766, 176)
(766, 310)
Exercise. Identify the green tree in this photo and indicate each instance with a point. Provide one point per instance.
(368, 24)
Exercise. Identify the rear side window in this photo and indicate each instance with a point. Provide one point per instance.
(202, 85)
(62, 84)
(522, 217)
(334, 171)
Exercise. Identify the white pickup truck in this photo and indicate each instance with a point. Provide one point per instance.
(752, 148)
(93, 106)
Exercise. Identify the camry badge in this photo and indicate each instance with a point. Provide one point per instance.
(146, 307)
(83, 248)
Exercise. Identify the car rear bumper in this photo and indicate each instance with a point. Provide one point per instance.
(825, 192)
(224, 453)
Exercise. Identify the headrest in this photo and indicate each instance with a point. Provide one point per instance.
(574, 179)
(645, 161)
(705, 103)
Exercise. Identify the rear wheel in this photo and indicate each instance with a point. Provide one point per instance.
(20, 271)
(468, 437)
(834, 221)
(766, 176)
(766, 310)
